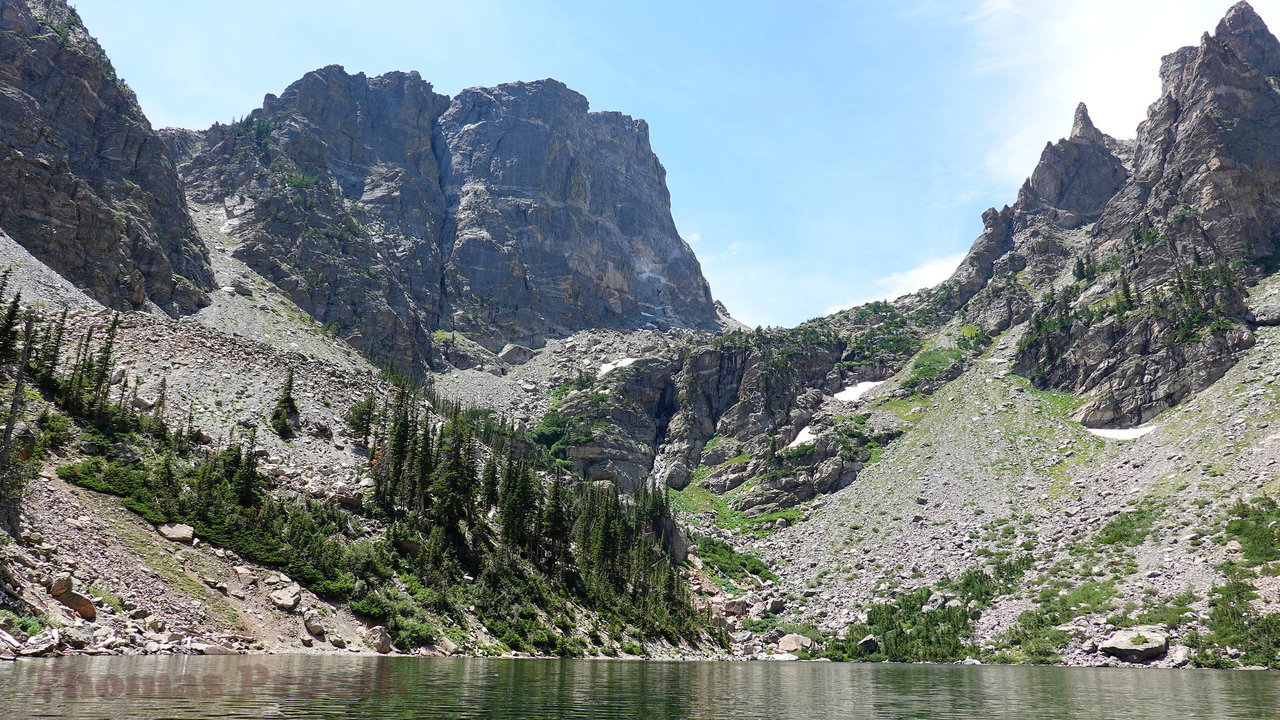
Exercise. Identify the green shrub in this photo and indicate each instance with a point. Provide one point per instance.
(56, 430)
(1256, 525)
(722, 557)
(930, 365)
(1128, 528)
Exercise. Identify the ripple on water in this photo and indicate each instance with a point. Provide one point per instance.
(370, 687)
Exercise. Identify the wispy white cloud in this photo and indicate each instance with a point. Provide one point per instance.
(1048, 55)
(928, 273)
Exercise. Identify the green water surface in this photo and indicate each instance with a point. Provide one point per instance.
(370, 687)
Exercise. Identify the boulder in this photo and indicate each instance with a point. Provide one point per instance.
(212, 649)
(869, 644)
(60, 584)
(772, 606)
(78, 637)
(1267, 313)
(779, 657)
(773, 635)
(82, 605)
(287, 598)
(313, 623)
(9, 641)
(40, 644)
(515, 354)
(794, 643)
(1138, 645)
(379, 639)
(740, 605)
(177, 532)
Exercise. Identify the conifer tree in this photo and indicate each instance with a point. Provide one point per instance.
(245, 479)
(555, 522)
(489, 482)
(286, 407)
(360, 418)
(51, 351)
(102, 366)
(9, 331)
(12, 475)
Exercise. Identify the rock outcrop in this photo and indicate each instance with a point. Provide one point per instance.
(508, 214)
(1141, 644)
(1132, 259)
(85, 184)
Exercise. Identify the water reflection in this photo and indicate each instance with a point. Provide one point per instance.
(364, 687)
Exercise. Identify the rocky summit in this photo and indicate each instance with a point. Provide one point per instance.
(510, 214)
(374, 369)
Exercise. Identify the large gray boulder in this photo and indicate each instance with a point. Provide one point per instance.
(287, 598)
(379, 639)
(793, 643)
(1138, 645)
(177, 532)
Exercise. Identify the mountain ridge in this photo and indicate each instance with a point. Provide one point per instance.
(924, 479)
(512, 213)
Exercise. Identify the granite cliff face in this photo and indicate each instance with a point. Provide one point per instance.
(509, 214)
(85, 184)
(1140, 254)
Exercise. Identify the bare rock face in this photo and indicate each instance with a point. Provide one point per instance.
(85, 184)
(1132, 259)
(1075, 177)
(562, 216)
(508, 214)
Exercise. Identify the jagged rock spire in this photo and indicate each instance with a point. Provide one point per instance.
(1082, 127)
(1245, 34)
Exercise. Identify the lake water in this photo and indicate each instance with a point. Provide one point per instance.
(370, 687)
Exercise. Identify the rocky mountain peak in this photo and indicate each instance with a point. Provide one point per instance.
(1082, 127)
(1075, 177)
(1178, 223)
(1245, 34)
(509, 214)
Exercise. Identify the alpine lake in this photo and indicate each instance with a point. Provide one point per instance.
(285, 686)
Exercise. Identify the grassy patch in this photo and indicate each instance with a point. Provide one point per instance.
(696, 499)
(1035, 639)
(1128, 528)
(910, 628)
(931, 364)
(1256, 526)
(730, 563)
(26, 623)
(1237, 629)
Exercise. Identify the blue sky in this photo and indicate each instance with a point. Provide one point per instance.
(819, 153)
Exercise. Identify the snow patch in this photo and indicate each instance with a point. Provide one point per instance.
(1122, 433)
(609, 367)
(853, 392)
(804, 436)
